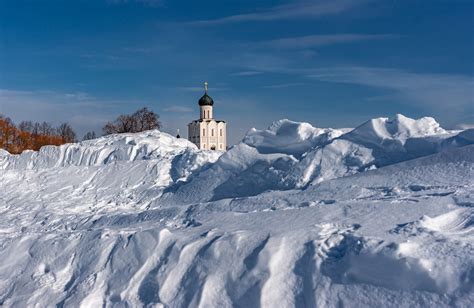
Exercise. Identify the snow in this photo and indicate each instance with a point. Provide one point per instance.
(381, 215)
(399, 128)
(285, 136)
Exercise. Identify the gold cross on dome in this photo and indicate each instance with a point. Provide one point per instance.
(205, 86)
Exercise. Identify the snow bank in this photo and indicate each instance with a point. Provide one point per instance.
(292, 155)
(376, 143)
(101, 151)
(400, 128)
(117, 172)
(288, 137)
(149, 220)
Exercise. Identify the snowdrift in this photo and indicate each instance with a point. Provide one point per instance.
(380, 215)
(292, 155)
(102, 151)
(116, 172)
(374, 144)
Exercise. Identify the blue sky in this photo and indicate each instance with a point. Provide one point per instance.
(330, 63)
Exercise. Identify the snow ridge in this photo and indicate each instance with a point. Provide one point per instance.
(101, 151)
(294, 216)
(293, 155)
(399, 128)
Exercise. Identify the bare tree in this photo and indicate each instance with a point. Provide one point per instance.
(145, 119)
(89, 136)
(141, 120)
(66, 132)
(26, 126)
(45, 129)
(36, 129)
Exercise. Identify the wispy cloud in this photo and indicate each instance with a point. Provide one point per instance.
(142, 50)
(146, 49)
(262, 61)
(453, 93)
(312, 41)
(83, 111)
(284, 85)
(246, 73)
(180, 109)
(300, 9)
(100, 57)
(465, 126)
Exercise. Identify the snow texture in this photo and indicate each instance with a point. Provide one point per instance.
(293, 216)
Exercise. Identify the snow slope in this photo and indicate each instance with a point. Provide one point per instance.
(378, 216)
(114, 173)
(293, 155)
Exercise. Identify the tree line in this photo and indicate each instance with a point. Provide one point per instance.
(28, 135)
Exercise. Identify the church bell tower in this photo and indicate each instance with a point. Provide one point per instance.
(207, 133)
(205, 104)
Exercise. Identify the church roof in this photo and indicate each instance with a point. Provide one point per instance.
(206, 100)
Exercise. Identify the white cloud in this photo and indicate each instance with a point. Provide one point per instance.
(283, 85)
(100, 57)
(264, 62)
(452, 93)
(300, 9)
(246, 73)
(182, 109)
(465, 126)
(311, 41)
(82, 111)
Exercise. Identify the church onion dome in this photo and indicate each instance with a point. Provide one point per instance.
(206, 100)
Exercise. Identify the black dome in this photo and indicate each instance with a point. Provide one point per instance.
(206, 100)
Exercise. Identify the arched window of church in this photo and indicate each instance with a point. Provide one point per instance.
(203, 132)
(208, 114)
(221, 132)
(212, 132)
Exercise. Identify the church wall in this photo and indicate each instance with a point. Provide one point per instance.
(212, 135)
(206, 112)
(222, 136)
(193, 133)
(206, 133)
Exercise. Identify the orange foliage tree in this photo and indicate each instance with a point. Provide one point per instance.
(29, 136)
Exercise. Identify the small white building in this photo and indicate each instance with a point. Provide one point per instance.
(207, 133)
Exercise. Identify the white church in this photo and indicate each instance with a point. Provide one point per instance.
(207, 133)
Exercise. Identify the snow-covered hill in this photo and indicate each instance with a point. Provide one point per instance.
(293, 155)
(381, 215)
(111, 174)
